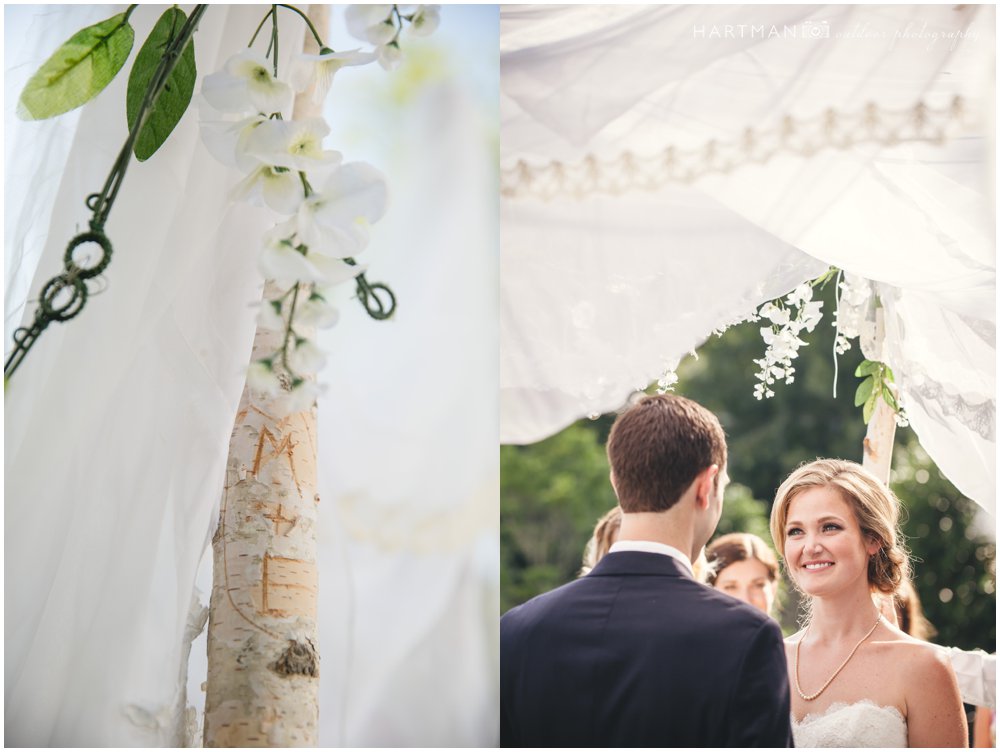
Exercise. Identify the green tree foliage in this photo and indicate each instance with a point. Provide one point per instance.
(553, 492)
(953, 551)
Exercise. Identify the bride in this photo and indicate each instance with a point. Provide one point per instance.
(856, 680)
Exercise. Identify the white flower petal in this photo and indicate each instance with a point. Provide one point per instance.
(282, 263)
(269, 318)
(226, 93)
(282, 191)
(389, 56)
(300, 399)
(306, 358)
(317, 312)
(261, 378)
(333, 271)
(295, 144)
(355, 190)
(370, 23)
(425, 21)
(267, 93)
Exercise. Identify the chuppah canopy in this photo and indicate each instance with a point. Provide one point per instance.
(666, 170)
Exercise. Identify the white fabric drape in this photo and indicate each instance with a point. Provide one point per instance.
(577, 332)
(117, 427)
(117, 423)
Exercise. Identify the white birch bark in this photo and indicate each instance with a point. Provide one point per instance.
(882, 427)
(879, 440)
(263, 661)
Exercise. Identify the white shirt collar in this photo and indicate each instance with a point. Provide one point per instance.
(652, 547)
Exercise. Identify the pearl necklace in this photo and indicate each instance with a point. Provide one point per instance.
(822, 689)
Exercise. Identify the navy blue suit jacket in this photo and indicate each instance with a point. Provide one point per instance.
(639, 654)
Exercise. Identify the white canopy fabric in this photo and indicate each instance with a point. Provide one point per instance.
(117, 423)
(665, 170)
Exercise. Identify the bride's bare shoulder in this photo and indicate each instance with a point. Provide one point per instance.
(914, 657)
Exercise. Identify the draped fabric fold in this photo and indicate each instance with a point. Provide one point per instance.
(880, 119)
(117, 422)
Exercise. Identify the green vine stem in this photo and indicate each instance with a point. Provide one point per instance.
(54, 303)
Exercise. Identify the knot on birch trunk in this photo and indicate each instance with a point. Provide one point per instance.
(297, 658)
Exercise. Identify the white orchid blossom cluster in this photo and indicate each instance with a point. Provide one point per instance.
(853, 302)
(381, 25)
(326, 206)
(788, 319)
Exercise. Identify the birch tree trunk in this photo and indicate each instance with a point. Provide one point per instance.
(263, 662)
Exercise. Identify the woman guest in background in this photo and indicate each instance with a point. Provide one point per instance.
(857, 680)
(605, 533)
(745, 567)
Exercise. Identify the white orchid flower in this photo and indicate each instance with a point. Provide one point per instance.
(370, 23)
(425, 20)
(316, 312)
(247, 85)
(262, 378)
(271, 316)
(277, 187)
(801, 294)
(335, 221)
(295, 144)
(306, 357)
(319, 70)
(389, 56)
(301, 398)
(779, 316)
(811, 314)
(226, 140)
(284, 263)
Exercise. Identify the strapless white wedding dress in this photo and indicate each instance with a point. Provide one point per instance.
(856, 724)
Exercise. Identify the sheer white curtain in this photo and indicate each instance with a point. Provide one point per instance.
(117, 423)
(581, 87)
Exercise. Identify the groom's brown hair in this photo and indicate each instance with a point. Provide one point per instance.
(658, 446)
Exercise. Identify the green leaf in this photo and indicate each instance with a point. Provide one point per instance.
(864, 391)
(78, 71)
(869, 407)
(169, 105)
(867, 367)
(889, 398)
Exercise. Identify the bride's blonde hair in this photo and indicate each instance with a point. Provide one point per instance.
(875, 506)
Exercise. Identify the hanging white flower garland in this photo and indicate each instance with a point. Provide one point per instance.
(798, 313)
(246, 125)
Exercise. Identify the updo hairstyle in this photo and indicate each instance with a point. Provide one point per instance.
(875, 506)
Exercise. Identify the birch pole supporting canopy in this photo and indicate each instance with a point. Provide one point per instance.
(263, 660)
(882, 426)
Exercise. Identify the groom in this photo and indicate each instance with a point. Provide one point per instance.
(638, 653)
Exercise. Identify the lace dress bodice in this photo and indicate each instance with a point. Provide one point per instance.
(856, 724)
